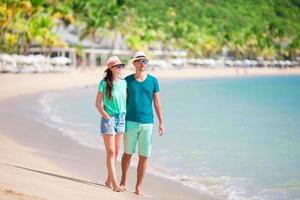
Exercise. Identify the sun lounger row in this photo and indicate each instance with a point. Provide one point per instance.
(242, 63)
(213, 63)
(33, 64)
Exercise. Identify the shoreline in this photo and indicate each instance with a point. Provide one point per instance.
(85, 77)
(204, 73)
(42, 164)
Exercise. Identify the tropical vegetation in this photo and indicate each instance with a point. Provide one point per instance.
(204, 28)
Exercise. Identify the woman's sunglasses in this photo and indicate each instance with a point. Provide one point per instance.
(119, 66)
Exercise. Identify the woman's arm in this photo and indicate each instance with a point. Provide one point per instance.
(99, 106)
(158, 109)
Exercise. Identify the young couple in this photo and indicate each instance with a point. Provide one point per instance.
(126, 108)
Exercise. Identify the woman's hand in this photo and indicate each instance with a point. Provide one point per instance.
(105, 115)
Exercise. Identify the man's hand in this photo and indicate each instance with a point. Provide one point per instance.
(161, 129)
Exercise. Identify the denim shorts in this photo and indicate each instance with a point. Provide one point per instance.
(114, 125)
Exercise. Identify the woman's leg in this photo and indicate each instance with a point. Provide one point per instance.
(118, 141)
(109, 141)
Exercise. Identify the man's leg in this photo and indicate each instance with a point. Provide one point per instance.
(126, 158)
(141, 169)
(145, 144)
(130, 141)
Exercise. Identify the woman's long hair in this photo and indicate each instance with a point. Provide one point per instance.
(109, 82)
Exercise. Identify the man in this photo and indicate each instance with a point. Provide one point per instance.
(142, 89)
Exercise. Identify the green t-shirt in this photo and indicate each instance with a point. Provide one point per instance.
(117, 104)
(140, 98)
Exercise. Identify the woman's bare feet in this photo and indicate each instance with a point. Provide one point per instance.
(117, 189)
(108, 184)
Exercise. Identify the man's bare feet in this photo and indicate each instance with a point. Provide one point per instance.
(122, 184)
(138, 191)
(123, 188)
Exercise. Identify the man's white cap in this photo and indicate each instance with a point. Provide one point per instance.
(137, 56)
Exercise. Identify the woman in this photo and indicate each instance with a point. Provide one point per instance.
(111, 104)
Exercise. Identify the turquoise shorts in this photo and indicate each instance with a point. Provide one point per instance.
(138, 133)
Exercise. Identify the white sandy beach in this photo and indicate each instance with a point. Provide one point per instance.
(37, 165)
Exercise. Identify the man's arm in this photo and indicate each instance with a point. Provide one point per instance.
(158, 109)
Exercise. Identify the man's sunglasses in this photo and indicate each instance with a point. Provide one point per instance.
(142, 62)
(119, 66)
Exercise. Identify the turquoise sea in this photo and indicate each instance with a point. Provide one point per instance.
(233, 137)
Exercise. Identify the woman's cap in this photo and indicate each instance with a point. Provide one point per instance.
(113, 60)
